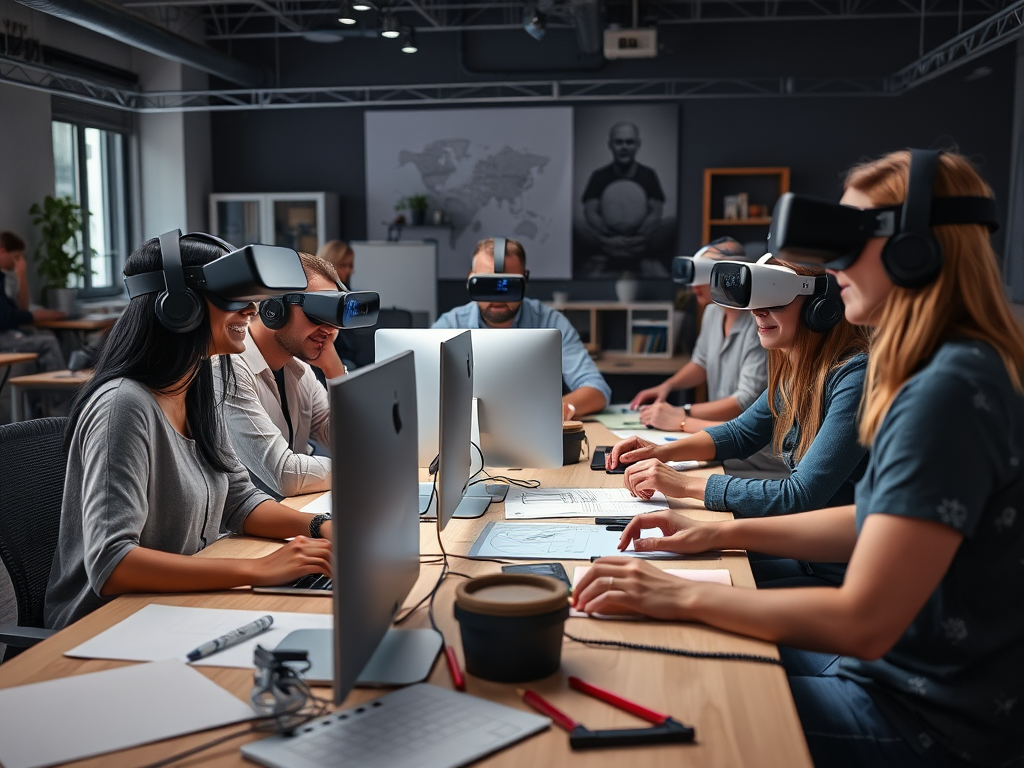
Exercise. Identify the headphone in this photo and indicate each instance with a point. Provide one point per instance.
(273, 313)
(913, 257)
(179, 308)
(823, 311)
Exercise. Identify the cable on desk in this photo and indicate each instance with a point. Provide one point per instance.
(516, 481)
(722, 655)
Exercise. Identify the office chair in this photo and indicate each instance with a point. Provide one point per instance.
(32, 469)
(355, 347)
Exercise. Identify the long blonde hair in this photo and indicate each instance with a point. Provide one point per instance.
(796, 393)
(966, 300)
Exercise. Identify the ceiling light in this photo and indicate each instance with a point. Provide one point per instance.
(535, 23)
(346, 14)
(389, 26)
(361, 6)
(409, 42)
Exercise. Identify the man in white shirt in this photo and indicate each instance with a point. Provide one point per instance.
(274, 404)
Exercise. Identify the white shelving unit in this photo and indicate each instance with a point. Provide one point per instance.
(648, 331)
(300, 220)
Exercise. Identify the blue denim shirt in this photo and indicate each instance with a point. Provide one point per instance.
(824, 477)
(578, 370)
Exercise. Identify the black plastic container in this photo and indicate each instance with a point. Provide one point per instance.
(511, 626)
(572, 442)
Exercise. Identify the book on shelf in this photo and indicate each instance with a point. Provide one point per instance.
(650, 340)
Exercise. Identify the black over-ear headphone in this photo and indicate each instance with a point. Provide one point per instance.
(273, 313)
(178, 308)
(823, 310)
(913, 257)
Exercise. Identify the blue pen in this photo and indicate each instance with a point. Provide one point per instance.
(234, 637)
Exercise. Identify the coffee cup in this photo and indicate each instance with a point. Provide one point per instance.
(511, 625)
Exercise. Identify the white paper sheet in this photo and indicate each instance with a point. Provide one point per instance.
(534, 503)
(170, 632)
(86, 715)
(713, 575)
(555, 541)
(655, 436)
(319, 506)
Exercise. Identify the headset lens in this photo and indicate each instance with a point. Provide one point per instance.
(497, 287)
(683, 270)
(730, 284)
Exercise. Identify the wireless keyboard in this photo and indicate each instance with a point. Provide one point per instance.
(421, 726)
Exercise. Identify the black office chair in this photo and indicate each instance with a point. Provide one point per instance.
(355, 346)
(32, 470)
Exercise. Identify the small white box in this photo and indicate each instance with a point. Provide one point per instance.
(631, 43)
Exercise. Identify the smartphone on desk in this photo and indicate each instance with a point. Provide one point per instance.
(597, 461)
(554, 570)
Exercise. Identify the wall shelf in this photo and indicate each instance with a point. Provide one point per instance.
(764, 186)
(635, 329)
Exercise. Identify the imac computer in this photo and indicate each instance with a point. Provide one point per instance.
(517, 383)
(376, 541)
(454, 459)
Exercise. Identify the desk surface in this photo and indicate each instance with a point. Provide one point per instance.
(612, 363)
(742, 711)
(10, 358)
(80, 324)
(53, 379)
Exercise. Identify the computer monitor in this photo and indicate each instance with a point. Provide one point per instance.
(517, 382)
(376, 539)
(454, 460)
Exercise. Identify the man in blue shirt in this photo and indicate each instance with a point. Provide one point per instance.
(588, 391)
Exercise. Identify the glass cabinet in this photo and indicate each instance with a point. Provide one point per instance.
(300, 220)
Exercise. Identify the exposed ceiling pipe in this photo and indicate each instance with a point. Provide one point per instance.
(113, 21)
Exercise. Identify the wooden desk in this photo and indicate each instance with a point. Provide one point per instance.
(743, 712)
(60, 380)
(80, 324)
(612, 363)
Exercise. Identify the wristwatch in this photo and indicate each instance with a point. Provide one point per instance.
(686, 408)
(314, 525)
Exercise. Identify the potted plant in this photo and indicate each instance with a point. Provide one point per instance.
(58, 254)
(417, 205)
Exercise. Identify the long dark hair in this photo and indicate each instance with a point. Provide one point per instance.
(140, 348)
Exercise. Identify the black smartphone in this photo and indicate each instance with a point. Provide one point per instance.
(554, 570)
(597, 461)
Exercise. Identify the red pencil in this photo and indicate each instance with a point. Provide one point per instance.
(454, 669)
(536, 701)
(617, 701)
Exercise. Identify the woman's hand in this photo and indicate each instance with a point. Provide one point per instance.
(299, 557)
(663, 416)
(627, 451)
(617, 585)
(645, 477)
(680, 534)
(651, 395)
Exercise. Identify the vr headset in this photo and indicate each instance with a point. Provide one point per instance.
(696, 269)
(833, 235)
(499, 286)
(231, 282)
(762, 286)
(342, 309)
(759, 286)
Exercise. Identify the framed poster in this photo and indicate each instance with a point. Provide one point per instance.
(490, 172)
(625, 181)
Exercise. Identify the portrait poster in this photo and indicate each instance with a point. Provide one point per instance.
(492, 172)
(625, 190)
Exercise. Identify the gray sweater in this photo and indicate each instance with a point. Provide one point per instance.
(134, 481)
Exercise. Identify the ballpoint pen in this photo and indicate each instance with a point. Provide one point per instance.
(233, 637)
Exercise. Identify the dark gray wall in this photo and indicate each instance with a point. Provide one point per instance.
(818, 138)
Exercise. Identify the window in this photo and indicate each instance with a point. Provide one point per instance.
(90, 168)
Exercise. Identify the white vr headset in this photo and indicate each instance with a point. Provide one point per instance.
(741, 285)
(694, 270)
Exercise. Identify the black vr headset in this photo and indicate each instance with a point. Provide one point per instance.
(499, 286)
(232, 282)
(764, 286)
(833, 235)
(342, 309)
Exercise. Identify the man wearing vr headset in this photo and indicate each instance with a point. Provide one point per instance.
(588, 391)
(275, 405)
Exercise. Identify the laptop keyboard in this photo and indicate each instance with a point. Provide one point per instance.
(420, 726)
(312, 581)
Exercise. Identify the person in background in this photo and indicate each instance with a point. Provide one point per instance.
(341, 257)
(729, 359)
(927, 624)
(588, 391)
(16, 333)
(274, 405)
(808, 415)
(151, 477)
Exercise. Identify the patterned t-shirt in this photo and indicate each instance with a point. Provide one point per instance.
(951, 450)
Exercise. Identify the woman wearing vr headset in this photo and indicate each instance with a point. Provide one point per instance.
(928, 619)
(151, 476)
(816, 365)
